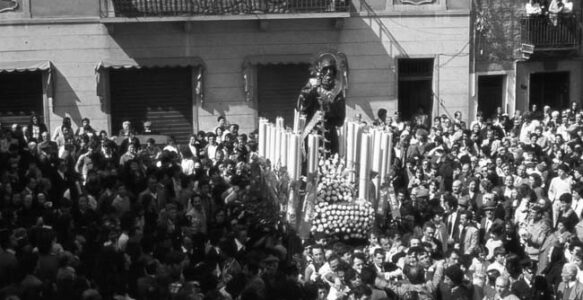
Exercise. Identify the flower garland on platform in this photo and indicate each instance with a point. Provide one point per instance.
(336, 213)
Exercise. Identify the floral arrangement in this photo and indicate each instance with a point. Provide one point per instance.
(336, 213)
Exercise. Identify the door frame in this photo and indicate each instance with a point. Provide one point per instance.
(504, 104)
(507, 93)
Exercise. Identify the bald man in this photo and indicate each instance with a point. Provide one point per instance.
(570, 288)
(503, 289)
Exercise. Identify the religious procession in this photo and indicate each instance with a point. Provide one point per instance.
(332, 208)
(291, 150)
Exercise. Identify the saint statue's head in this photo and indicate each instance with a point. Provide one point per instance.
(327, 67)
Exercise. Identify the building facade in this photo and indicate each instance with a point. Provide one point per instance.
(521, 58)
(180, 64)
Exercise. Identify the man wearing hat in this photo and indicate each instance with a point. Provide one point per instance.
(570, 288)
(489, 219)
(523, 286)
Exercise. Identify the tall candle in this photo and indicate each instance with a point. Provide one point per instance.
(376, 160)
(390, 151)
(310, 159)
(376, 163)
(292, 157)
(342, 140)
(262, 137)
(350, 144)
(302, 124)
(277, 152)
(298, 155)
(386, 152)
(273, 148)
(296, 121)
(283, 148)
(364, 166)
(279, 122)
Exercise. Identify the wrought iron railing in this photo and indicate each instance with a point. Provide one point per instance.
(544, 32)
(165, 8)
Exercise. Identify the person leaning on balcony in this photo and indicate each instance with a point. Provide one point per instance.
(555, 8)
(567, 7)
(533, 7)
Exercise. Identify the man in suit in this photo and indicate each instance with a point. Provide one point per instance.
(429, 232)
(570, 288)
(489, 219)
(468, 240)
(473, 195)
(452, 220)
(523, 286)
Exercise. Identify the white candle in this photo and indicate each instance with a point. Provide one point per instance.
(376, 160)
(364, 173)
(386, 151)
(298, 155)
(292, 156)
(277, 152)
(273, 146)
(296, 121)
(279, 122)
(283, 148)
(310, 154)
(262, 137)
(376, 163)
(342, 140)
(350, 145)
(268, 141)
(302, 124)
(313, 153)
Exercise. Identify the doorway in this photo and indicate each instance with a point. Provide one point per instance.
(490, 94)
(549, 88)
(415, 87)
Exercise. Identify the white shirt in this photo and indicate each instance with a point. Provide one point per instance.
(577, 206)
(558, 187)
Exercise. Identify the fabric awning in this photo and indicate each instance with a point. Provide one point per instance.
(152, 62)
(278, 59)
(32, 66)
(157, 62)
(22, 66)
(250, 64)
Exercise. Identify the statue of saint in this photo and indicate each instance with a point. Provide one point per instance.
(322, 100)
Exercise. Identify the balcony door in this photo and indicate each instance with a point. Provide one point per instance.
(549, 88)
(160, 95)
(415, 87)
(21, 95)
(278, 88)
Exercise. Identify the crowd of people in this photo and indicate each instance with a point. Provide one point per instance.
(486, 211)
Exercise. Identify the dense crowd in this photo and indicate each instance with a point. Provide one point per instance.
(486, 211)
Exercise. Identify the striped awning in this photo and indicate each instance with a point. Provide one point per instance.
(152, 62)
(156, 62)
(24, 66)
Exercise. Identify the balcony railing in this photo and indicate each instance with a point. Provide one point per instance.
(543, 33)
(167, 8)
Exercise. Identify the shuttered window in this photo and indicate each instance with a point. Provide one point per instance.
(160, 95)
(21, 95)
(278, 89)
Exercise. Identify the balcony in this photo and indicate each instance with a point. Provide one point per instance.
(540, 34)
(176, 10)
